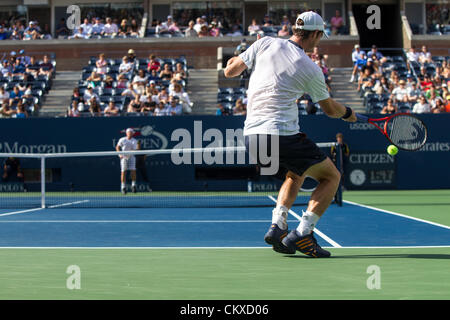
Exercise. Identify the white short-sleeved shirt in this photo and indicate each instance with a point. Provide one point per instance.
(126, 144)
(282, 73)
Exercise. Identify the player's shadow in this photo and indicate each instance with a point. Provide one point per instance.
(383, 256)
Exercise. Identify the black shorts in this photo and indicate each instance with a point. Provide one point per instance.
(296, 153)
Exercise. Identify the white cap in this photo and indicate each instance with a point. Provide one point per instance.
(130, 130)
(311, 21)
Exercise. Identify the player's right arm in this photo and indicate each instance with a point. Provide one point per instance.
(118, 148)
(334, 109)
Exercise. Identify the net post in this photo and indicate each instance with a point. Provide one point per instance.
(43, 182)
(341, 170)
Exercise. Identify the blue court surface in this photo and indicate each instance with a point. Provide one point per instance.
(351, 225)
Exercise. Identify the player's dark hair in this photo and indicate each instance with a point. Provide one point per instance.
(301, 33)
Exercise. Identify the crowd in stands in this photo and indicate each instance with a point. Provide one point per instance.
(23, 82)
(233, 101)
(20, 30)
(132, 86)
(215, 27)
(417, 84)
(97, 28)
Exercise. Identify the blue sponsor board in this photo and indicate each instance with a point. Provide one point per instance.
(427, 168)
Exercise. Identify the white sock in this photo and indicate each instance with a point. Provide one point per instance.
(308, 222)
(123, 186)
(352, 78)
(279, 216)
(133, 183)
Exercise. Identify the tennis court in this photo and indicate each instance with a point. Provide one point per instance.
(219, 252)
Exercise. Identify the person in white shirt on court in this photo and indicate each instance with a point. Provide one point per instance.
(127, 162)
(282, 73)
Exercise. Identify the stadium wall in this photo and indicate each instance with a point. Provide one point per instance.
(369, 166)
(201, 53)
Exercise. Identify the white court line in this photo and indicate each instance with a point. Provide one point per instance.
(211, 248)
(17, 212)
(67, 204)
(321, 234)
(37, 209)
(137, 221)
(397, 214)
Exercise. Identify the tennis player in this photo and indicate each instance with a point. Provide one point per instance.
(127, 162)
(282, 73)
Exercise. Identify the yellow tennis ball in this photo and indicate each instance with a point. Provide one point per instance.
(392, 150)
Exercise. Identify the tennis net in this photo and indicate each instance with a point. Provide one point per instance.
(165, 178)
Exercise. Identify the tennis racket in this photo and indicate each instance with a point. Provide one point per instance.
(403, 130)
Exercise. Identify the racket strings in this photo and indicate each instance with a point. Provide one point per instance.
(407, 132)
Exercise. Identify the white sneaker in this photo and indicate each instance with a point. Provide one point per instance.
(352, 79)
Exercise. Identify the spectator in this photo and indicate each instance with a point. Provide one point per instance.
(46, 67)
(400, 93)
(285, 22)
(3, 94)
(183, 98)
(377, 53)
(190, 31)
(21, 112)
(89, 94)
(359, 60)
(167, 24)
(126, 66)
(382, 86)
(413, 55)
(241, 47)
(203, 32)
(131, 55)
(124, 29)
(6, 69)
(76, 96)
(439, 106)
(15, 95)
(101, 64)
(421, 106)
(94, 79)
(174, 108)
(214, 31)
(222, 111)
(174, 29)
(161, 28)
(149, 108)
(166, 73)
(239, 108)
(161, 109)
(110, 28)
(135, 105)
(130, 91)
(153, 64)
(79, 34)
(390, 108)
(61, 29)
(134, 28)
(4, 35)
(284, 31)
(94, 107)
(111, 110)
(139, 81)
(267, 22)
(199, 23)
(345, 152)
(413, 93)
(6, 111)
(154, 76)
(254, 28)
(425, 55)
(73, 110)
(163, 95)
(337, 23)
(87, 28)
(98, 27)
(426, 83)
(122, 81)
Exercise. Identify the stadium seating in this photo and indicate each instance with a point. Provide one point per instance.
(115, 94)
